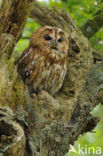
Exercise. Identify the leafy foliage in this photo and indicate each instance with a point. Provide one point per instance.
(97, 40)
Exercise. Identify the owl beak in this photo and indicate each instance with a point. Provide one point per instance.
(54, 45)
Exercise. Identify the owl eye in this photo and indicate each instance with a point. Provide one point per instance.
(47, 37)
(60, 39)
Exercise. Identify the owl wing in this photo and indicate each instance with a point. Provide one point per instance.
(27, 64)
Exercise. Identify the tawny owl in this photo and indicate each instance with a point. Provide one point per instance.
(43, 64)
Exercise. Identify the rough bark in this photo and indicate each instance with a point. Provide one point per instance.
(50, 123)
(13, 15)
(12, 138)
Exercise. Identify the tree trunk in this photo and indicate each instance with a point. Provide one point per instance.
(43, 125)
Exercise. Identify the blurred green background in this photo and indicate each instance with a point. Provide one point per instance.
(81, 11)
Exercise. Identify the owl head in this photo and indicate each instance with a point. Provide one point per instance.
(50, 37)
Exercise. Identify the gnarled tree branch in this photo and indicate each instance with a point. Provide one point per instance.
(92, 26)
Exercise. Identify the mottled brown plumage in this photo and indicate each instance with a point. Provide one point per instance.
(43, 64)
